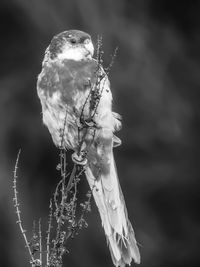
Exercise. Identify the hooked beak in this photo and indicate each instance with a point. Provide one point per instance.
(89, 47)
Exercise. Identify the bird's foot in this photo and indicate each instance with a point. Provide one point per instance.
(87, 123)
(90, 123)
(79, 159)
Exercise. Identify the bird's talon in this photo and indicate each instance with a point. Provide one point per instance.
(79, 159)
(91, 123)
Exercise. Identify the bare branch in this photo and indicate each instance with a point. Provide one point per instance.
(49, 232)
(40, 240)
(16, 205)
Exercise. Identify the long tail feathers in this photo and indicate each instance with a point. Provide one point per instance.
(110, 202)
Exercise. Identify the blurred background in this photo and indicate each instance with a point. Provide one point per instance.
(155, 82)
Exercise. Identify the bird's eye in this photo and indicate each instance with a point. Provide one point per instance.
(73, 41)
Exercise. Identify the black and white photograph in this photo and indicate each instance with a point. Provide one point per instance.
(100, 133)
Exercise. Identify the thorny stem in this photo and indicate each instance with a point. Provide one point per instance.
(84, 105)
(69, 185)
(40, 240)
(76, 177)
(94, 87)
(113, 56)
(94, 96)
(56, 194)
(63, 131)
(86, 206)
(16, 205)
(49, 231)
(60, 208)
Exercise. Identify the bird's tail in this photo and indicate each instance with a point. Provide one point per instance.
(111, 205)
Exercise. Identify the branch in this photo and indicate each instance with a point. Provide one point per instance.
(49, 232)
(16, 205)
(40, 240)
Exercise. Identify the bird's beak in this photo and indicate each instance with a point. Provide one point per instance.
(89, 46)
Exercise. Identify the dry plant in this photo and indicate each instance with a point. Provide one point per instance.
(63, 216)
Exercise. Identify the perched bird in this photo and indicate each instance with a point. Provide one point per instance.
(74, 90)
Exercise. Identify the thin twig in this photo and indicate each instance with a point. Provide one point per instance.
(63, 130)
(49, 232)
(113, 56)
(40, 240)
(16, 205)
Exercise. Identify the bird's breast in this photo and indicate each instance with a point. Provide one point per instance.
(63, 88)
(67, 76)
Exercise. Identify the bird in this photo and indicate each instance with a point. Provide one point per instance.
(74, 90)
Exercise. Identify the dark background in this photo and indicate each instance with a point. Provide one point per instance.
(156, 87)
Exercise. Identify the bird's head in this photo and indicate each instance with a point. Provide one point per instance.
(73, 44)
